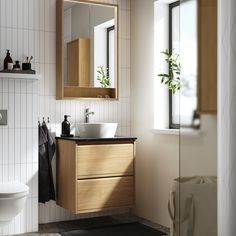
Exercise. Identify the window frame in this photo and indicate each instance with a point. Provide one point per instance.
(109, 29)
(171, 6)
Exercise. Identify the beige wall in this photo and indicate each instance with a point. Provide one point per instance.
(198, 153)
(157, 162)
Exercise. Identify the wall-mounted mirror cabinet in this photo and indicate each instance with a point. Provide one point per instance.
(87, 50)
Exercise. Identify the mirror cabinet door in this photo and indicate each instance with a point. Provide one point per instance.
(87, 50)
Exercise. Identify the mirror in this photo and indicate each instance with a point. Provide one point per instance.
(87, 50)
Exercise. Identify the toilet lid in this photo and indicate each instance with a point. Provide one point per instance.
(13, 189)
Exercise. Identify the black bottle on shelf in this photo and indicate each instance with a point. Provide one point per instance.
(7, 60)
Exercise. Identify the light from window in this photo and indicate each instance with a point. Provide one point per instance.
(176, 29)
(188, 59)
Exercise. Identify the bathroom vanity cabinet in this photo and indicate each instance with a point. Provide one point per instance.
(95, 174)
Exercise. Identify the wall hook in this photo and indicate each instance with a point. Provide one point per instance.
(44, 121)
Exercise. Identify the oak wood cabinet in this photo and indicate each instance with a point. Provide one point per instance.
(78, 62)
(207, 56)
(95, 175)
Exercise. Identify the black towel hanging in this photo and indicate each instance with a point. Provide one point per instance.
(46, 153)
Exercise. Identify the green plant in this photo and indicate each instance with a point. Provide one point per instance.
(172, 78)
(103, 77)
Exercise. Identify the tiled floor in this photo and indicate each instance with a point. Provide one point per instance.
(53, 229)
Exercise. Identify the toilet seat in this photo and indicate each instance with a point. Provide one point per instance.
(13, 190)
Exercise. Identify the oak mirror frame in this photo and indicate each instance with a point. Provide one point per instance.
(87, 62)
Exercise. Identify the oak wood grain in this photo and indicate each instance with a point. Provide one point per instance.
(207, 56)
(66, 174)
(104, 193)
(104, 160)
(78, 62)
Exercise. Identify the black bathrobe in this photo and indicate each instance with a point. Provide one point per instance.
(46, 153)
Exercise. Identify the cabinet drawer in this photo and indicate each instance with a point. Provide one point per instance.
(104, 193)
(104, 160)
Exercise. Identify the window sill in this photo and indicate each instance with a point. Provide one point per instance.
(182, 131)
(166, 131)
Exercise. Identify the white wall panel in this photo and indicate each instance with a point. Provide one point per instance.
(19, 146)
(227, 117)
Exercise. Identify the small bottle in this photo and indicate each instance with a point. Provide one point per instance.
(7, 60)
(17, 65)
(65, 131)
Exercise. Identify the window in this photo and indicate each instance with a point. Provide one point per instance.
(104, 41)
(183, 41)
(174, 47)
(188, 60)
(110, 51)
(175, 29)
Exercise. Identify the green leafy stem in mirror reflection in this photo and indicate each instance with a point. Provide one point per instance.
(102, 76)
(172, 79)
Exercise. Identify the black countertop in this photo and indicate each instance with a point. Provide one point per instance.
(116, 138)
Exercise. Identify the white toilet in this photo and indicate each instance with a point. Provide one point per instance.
(12, 200)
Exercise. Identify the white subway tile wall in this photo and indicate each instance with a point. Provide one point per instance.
(19, 147)
(28, 27)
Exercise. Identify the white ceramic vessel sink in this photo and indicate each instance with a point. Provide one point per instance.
(96, 130)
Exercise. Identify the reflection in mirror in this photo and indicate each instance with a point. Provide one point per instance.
(89, 45)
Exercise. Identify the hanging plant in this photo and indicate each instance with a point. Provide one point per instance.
(171, 79)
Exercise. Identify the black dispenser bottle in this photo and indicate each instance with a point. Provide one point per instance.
(65, 128)
(7, 60)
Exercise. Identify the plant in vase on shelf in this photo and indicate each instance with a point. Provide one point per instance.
(172, 78)
(103, 77)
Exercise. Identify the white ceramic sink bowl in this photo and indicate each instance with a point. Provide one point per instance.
(96, 130)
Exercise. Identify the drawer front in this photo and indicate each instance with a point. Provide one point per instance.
(104, 193)
(104, 160)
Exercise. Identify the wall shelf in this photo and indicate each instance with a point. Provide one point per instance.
(71, 92)
(19, 76)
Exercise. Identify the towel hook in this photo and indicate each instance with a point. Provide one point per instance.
(44, 123)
